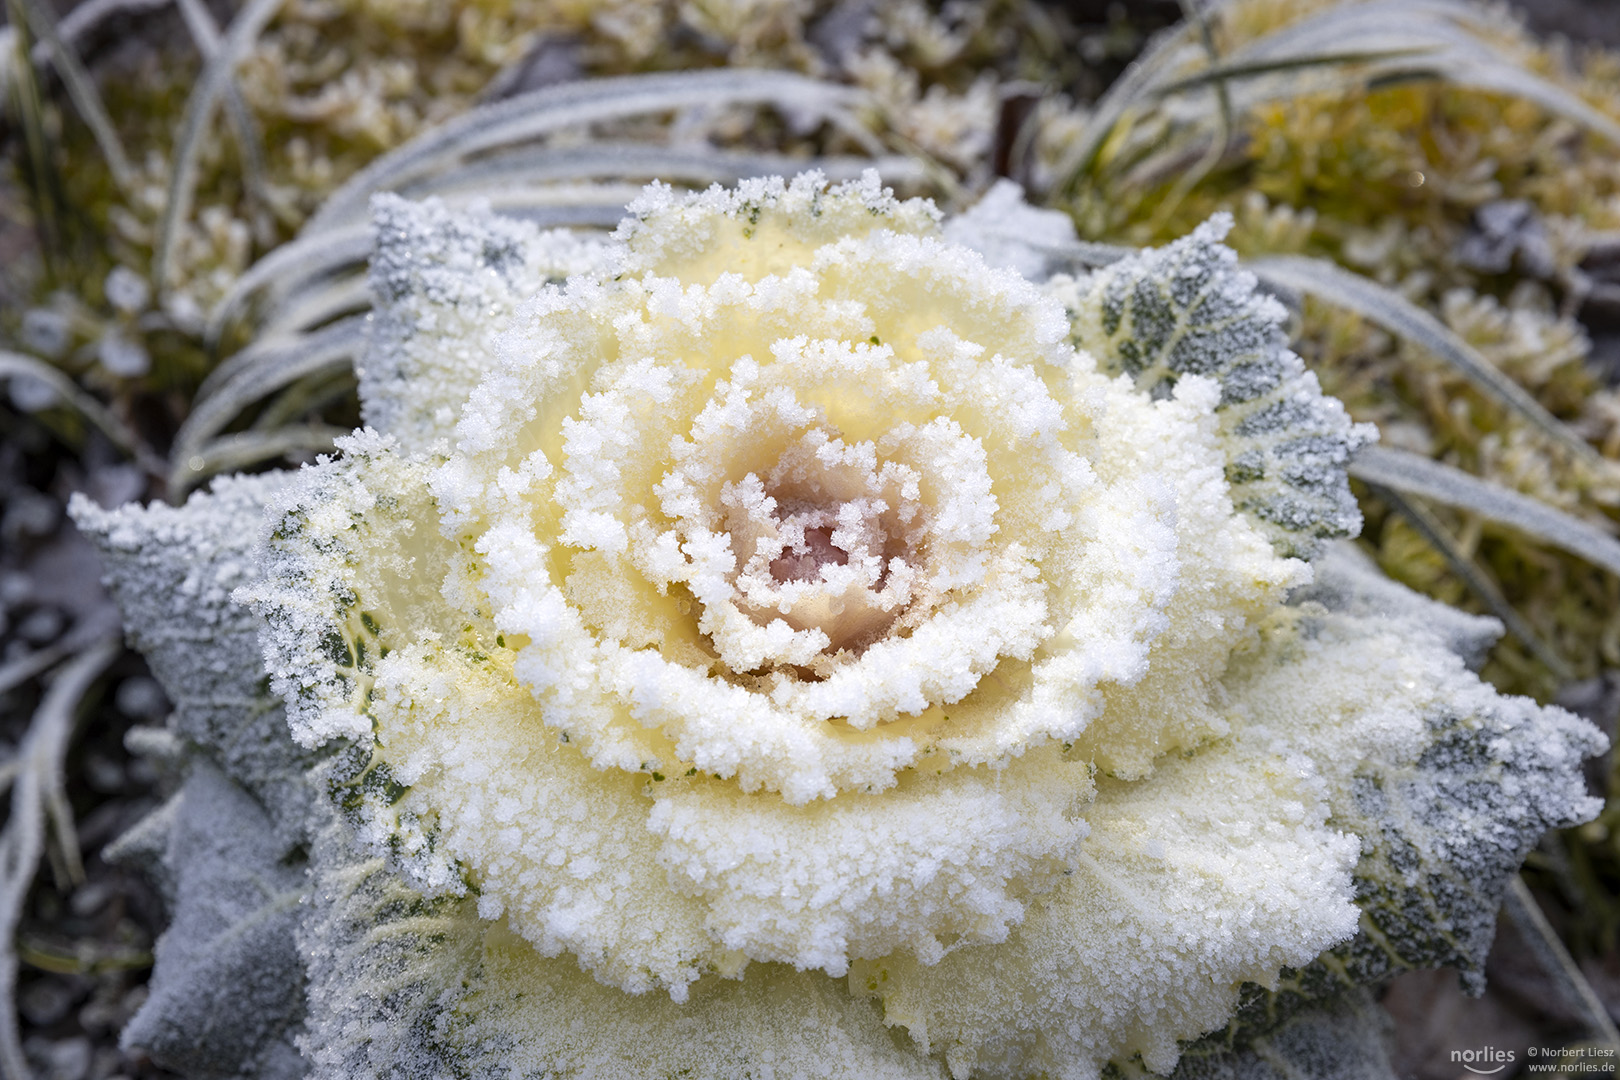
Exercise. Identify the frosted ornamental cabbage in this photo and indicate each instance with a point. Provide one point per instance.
(793, 642)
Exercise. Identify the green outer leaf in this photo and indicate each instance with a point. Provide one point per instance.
(227, 989)
(1190, 309)
(172, 570)
(385, 967)
(445, 284)
(1442, 836)
(1346, 1038)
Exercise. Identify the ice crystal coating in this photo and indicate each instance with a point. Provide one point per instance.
(446, 284)
(172, 571)
(793, 654)
(229, 950)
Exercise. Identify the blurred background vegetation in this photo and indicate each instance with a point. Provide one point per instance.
(182, 234)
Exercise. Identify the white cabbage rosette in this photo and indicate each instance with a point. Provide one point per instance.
(777, 647)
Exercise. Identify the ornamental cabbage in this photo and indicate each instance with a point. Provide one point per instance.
(778, 641)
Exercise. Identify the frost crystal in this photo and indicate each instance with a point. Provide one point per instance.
(445, 284)
(764, 642)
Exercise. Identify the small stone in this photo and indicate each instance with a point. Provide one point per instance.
(28, 513)
(90, 898)
(122, 356)
(63, 1059)
(127, 291)
(45, 1001)
(41, 626)
(30, 394)
(46, 332)
(15, 589)
(141, 698)
(103, 774)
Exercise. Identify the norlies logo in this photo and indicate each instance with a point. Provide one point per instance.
(1486, 1061)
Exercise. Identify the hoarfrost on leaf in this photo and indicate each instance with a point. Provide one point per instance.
(227, 992)
(766, 639)
(172, 571)
(1188, 309)
(444, 283)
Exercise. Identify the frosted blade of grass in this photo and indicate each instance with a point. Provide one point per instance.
(552, 108)
(1380, 23)
(230, 453)
(602, 206)
(19, 670)
(25, 105)
(217, 72)
(1412, 474)
(1372, 301)
(18, 365)
(1476, 578)
(1346, 48)
(81, 88)
(87, 16)
(305, 398)
(205, 34)
(1435, 26)
(1494, 73)
(1520, 905)
(265, 351)
(272, 365)
(631, 160)
(1165, 52)
(310, 308)
(1233, 71)
(1225, 120)
(267, 365)
(23, 841)
(16, 672)
(293, 265)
